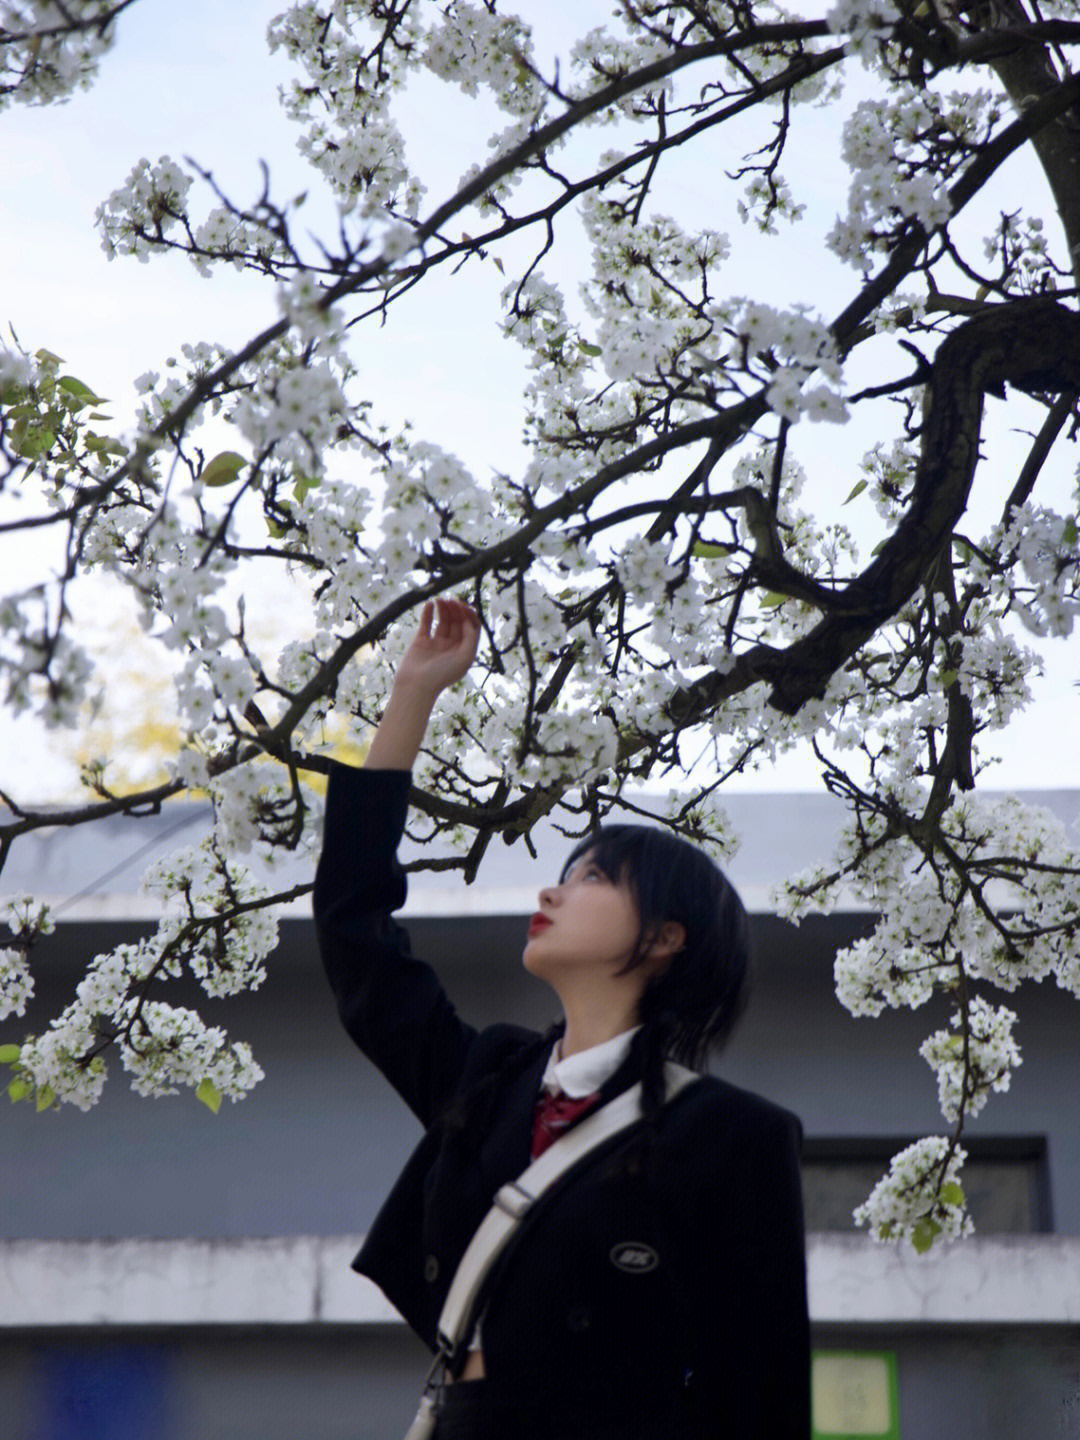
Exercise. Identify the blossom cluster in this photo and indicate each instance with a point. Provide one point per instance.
(351, 137)
(902, 151)
(212, 921)
(43, 670)
(16, 982)
(473, 47)
(51, 49)
(950, 917)
(921, 1198)
(163, 1048)
(765, 198)
(979, 1059)
(26, 921)
(804, 347)
(1020, 243)
(866, 21)
(139, 214)
(216, 927)
(1039, 571)
(602, 57)
(940, 913)
(642, 291)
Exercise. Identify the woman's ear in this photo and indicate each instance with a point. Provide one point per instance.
(667, 941)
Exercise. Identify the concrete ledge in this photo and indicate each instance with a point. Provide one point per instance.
(298, 1280)
(1002, 1279)
(293, 1280)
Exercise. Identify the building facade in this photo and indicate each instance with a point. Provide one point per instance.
(167, 1272)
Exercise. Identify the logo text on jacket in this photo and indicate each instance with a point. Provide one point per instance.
(634, 1257)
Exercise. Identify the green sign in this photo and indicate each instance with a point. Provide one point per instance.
(855, 1395)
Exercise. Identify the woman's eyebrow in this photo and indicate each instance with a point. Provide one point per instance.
(583, 862)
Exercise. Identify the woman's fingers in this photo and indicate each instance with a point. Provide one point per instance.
(457, 622)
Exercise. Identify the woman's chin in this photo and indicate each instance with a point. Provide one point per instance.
(533, 958)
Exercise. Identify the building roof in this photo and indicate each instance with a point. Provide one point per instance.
(93, 871)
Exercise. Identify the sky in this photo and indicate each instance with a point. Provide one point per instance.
(196, 80)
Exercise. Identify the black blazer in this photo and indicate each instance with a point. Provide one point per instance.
(711, 1338)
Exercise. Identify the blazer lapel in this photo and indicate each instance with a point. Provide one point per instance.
(504, 1151)
(472, 1166)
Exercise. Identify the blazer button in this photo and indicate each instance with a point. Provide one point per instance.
(431, 1269)
(578, 1319)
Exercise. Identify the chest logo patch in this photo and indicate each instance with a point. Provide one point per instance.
(634, 1257)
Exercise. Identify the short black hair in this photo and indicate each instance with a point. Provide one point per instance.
(698, 999)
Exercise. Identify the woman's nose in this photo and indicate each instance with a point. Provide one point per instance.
(549, 895)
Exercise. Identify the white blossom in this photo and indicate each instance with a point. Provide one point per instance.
(46, 58)
(920, 1198)
(969, 1066)
(16, 982)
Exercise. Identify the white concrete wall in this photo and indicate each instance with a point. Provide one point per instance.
(306, 1279)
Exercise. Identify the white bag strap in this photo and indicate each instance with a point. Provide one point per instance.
(515, 1199)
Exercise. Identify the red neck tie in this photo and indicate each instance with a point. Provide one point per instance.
(555, 1113)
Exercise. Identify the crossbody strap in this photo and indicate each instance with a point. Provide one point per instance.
(515, 1199)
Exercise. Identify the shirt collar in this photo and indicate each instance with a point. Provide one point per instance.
(582, 1074)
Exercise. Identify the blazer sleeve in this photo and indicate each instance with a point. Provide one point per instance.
(392, 1005)
(753, 1365)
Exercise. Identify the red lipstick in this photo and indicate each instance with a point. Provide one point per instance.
(538, 923)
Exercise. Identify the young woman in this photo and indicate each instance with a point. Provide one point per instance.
(660, 1293)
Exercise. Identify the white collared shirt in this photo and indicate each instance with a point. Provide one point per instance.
(579, 1075)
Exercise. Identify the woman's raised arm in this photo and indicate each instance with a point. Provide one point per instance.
(436, 659)
(392, 1005)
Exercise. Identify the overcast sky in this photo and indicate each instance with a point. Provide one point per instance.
(197, 80)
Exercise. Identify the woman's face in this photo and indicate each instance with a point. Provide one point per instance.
(587, 920)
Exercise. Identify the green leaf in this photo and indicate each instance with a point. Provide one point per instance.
(772, 598)
(949, 677)
(587, 349)
(223, 469)
(705, 550)
(19, 1090)
(209, 1094)
(9, 1054)
(78, 391)
(45, 1097)
(1069, 534)
(93, 441)
(277, 532)
(304, 483)
(858, 489)
(951, 1194)
(879, 546)
(34, 444)
(102, 445)
(924, 1233)
(47, 357)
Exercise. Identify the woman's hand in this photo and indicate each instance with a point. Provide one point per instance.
(439, 657)
(436, 658)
